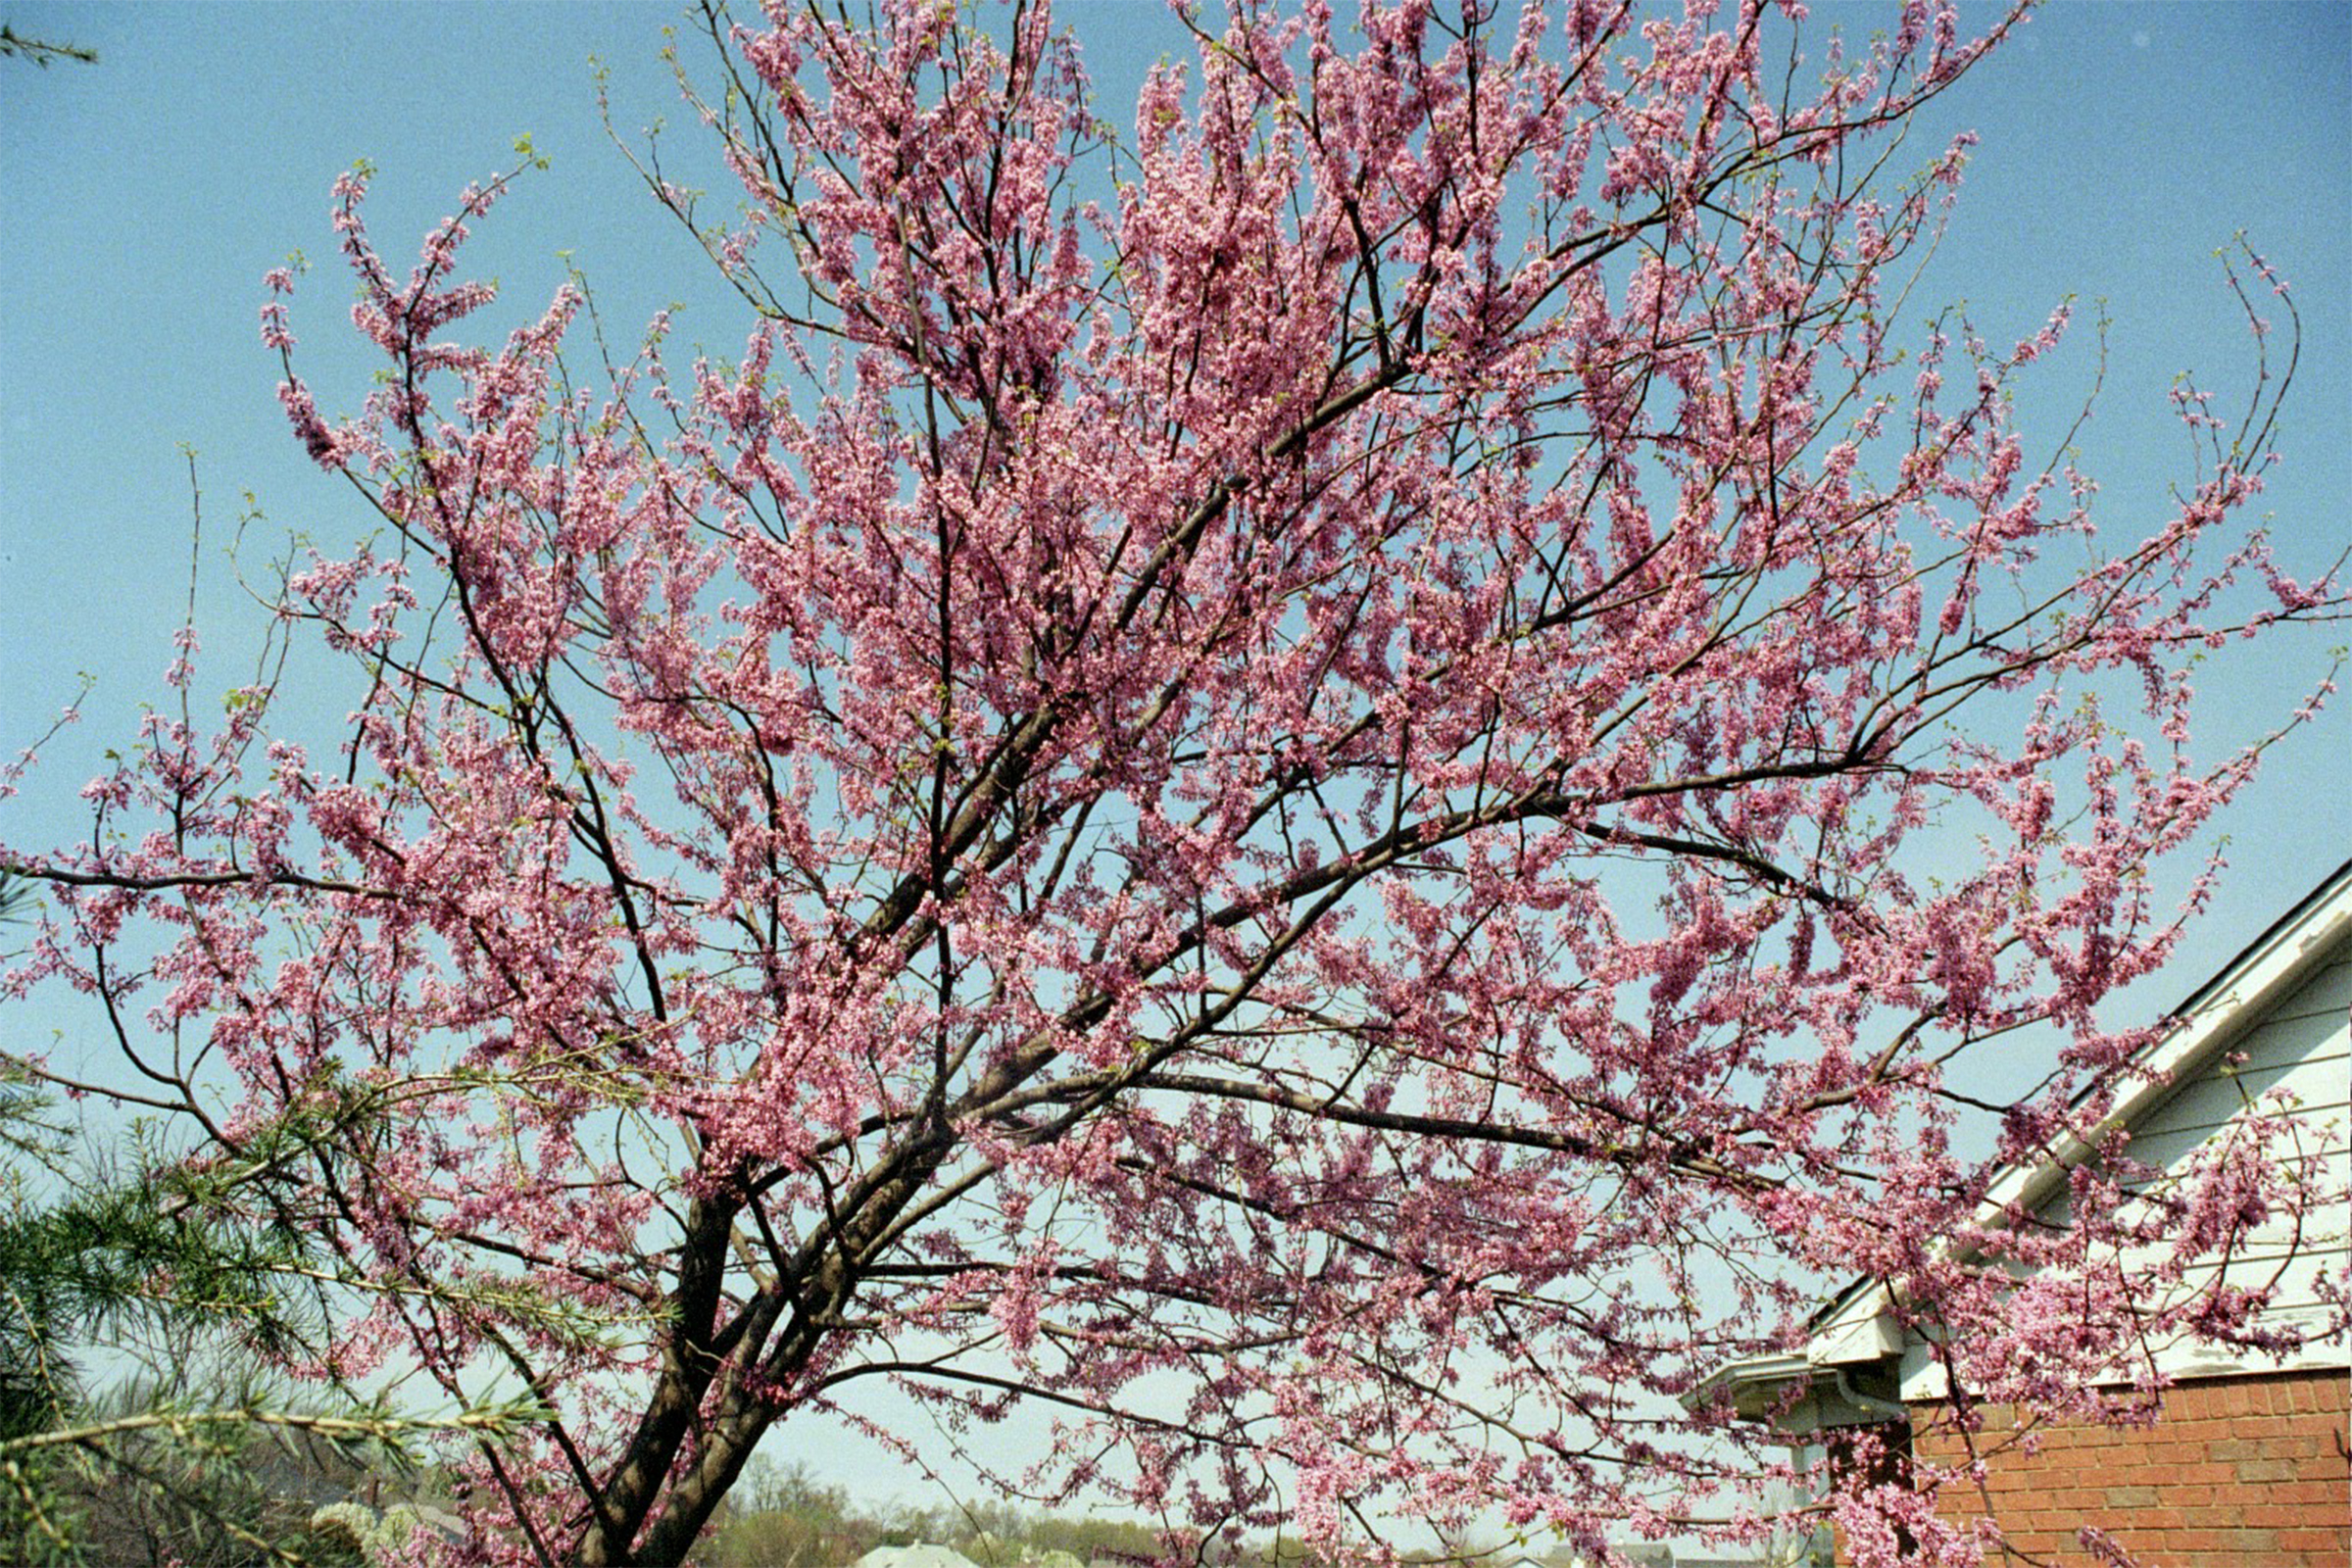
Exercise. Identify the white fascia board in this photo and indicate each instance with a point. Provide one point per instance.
(1799, 1396)
(1862, 1329)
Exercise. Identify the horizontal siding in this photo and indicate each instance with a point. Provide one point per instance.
(2297, 1303)
(2330, 991)
(2165, 1151)
(2304, 1055)
(2303, 1047)
(2308, 1054)
(2297, 1300)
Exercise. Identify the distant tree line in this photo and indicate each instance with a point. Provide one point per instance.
(782, 1516)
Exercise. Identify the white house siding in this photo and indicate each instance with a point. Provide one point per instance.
(2304, 1048)
(2301, 1044)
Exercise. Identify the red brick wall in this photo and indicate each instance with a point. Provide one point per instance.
(2246, 1472)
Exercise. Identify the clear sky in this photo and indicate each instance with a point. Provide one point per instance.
(141, 200)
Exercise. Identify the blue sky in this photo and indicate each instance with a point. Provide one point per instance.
(145, 196)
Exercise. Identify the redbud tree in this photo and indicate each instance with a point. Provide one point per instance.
(1328, 788)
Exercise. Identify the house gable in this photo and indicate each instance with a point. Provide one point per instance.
(2276, 1018)
(2273, 1029)
(2244, 1460)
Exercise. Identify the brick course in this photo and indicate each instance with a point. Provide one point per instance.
(2244, 1472)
